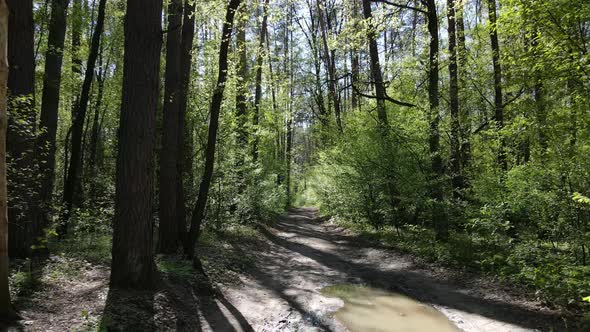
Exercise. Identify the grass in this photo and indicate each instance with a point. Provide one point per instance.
(220, 256)
(93, 248)
(174, 266)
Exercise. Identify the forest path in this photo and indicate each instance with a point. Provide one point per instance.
(304, 255)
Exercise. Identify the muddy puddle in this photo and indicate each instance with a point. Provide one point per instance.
(368, 309)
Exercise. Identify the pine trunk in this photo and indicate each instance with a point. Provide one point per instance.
(455, 162)
(23, 209)
(214, 110)
(169, 155)
(46, 143)
(133, 261)
(258, 90)
(436, 190)
(73, 180)
(6, 310)
(184, 162)
(376, 69)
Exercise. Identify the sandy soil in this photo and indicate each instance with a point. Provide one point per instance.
(303, 255)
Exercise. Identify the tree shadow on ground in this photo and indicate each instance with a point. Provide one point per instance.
(30, 284)
(179, 304)
(421, 287)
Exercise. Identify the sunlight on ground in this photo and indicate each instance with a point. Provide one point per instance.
(369, 309)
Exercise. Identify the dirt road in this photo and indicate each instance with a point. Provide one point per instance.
(303, 255)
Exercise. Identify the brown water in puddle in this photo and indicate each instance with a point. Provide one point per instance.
(368, 309)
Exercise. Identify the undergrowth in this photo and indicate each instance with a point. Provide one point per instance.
(536, 266)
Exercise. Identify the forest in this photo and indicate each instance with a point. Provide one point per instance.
(258, 165)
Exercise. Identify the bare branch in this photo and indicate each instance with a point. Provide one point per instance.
(511, 100)
(398, 5)
(482, 94)
(388, 98)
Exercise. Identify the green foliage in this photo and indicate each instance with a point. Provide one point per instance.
(95, 248)
(23, 282)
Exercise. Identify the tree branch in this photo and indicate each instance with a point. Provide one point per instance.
(398, 5)
(482, 94)
(388, 98)
(511, 100)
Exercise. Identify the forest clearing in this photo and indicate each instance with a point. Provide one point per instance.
(294, 165)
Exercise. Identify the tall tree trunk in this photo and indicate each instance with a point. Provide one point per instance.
(354, 63)
(184, 162)
(133, 262)
(258, 90)
(272, 78)
(439, 216)
(354, 59)
(214, 110)
(169, 180)
(540, 103)
(376, 69)
(456, 174)
(73, 180)
(6, 310)
(77, 21)
(381, 96)
(498, 98)
(312, 41)
(242, 91)
(23, 208)
(289, 140)
(462, 69)
(330, 65)
(541, 114)
(46, 142)
(92, 166)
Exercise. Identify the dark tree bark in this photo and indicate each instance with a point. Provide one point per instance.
(73, 180)
(381, 97)
(436, 191)
(242, 89)
(23, 209)
(330, 66)
(272, 78)
(258, 89)
(541, 115)
(355, 62)
(77, 19)
(461, 41)
(184, 162)
(376, 69)
(289, 140)
(214, 110)
(462, 67)
(540, 106)
(169, 180)
(312, 40)
(289, 155)
(46, 142)
(498, 97)
(93, 162)
(455, 162)
(133, 262)
(7, 313)
(275, 108)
